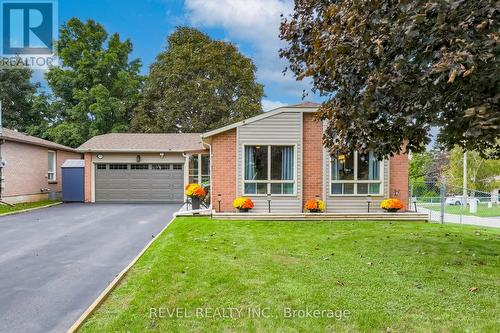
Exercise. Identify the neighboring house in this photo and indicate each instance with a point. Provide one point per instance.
(32, 170)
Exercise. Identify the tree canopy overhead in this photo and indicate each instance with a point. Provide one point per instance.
(96, 87)
(197, 84)
(392, 69)
(17, 94)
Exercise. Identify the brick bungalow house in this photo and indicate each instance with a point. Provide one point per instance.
(278, 153)
(32, 169)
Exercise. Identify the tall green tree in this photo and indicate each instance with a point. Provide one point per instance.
(419, 166)
(197, 84)
(96, 87)
(17, 94)
(480, 172)
(399, 67)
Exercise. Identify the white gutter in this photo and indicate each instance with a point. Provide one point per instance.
(93, 150)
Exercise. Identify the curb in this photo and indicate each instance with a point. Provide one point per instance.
(102, 297)
(30, 209)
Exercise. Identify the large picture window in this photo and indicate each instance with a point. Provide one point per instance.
(269, 169)
(356, 174)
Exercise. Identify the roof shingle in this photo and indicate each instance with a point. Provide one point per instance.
(144, 142)
(11, 135)
(306, 104)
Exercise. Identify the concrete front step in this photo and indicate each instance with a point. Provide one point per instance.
(323, 216)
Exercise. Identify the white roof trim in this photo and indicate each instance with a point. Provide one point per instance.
(93, 150)
(259, 117)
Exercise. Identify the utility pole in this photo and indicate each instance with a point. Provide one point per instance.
(465, 180)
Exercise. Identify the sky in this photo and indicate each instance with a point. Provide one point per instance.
(252, 25)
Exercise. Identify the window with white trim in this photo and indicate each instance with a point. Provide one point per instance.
(269, 169)
(356, 174)
(52, 159)
(199, 169)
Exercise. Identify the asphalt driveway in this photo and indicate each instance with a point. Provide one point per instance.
(54, 262)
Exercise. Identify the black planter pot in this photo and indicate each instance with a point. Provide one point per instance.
(243, 210)
(392, 210)
(314, 211)
(195, 202)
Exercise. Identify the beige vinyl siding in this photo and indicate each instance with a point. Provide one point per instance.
(353, 204)
(145, 158)
(281, 129)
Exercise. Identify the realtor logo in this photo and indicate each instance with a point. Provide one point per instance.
(29, 29)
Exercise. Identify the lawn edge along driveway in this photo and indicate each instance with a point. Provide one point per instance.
(102, 297)
(35, 207)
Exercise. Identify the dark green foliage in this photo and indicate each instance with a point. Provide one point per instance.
(392, 69)
(96, 87)
(17, 94)
(197, 84)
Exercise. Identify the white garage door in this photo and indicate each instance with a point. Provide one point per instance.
(139, 183)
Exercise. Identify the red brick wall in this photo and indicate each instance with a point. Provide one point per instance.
(88, 177)
(224, 170)
(312, 166)
(26, 168)
(398, 179)
(26, 171)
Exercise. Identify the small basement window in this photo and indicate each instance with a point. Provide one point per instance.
(51, 176)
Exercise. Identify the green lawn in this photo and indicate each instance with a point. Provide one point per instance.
(8, 209)
(482, 210)
(377, 276)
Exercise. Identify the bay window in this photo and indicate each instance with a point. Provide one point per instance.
(269, 169)
(356, 174)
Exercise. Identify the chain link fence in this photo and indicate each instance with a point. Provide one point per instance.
(451, 204)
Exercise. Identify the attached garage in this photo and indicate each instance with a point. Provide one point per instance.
(119, 182)
(126, 167)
